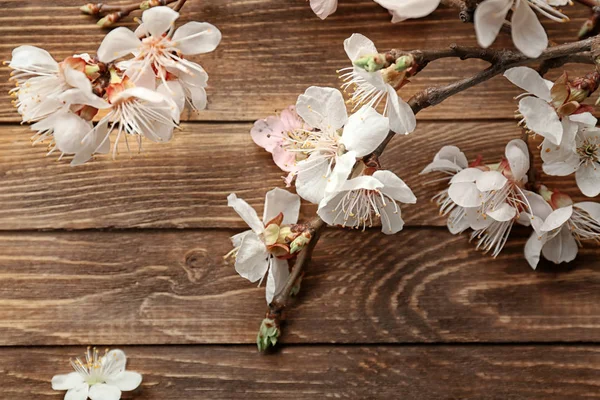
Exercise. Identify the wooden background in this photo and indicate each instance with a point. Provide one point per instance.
(129, 253)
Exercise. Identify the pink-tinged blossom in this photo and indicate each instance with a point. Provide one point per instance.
(283, 136)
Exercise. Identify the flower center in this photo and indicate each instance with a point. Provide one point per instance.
(588, 151)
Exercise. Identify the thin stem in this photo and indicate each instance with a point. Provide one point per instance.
(589, 3)
(316, 226)
(179, 5)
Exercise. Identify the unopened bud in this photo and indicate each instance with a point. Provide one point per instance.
(371, 63)
(299, 243)
(268, 334)
(109, 20)
(545, 193)
(403, 63)
(90, 9)
(591, 27)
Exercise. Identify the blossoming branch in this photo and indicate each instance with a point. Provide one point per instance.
(330, 152)
(136, 86)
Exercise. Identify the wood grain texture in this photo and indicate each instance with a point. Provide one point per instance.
(272, 50)
(339, 372)
(185, 183)
(422, 285)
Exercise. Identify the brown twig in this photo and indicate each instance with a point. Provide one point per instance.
(280, 301)
(589, 3)
(179, 5)
(500, 60)
(114, 13)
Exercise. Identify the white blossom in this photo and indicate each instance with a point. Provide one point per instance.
(257, 250)
(450, 161)
(161, 53)
(493, 197)
(548, 109)
(99, 377)
(372, 88)
(361, 201)
(578, 153)
(527, 32)
(323, 8)
(560, 226)
(335, 142)
(409, 9)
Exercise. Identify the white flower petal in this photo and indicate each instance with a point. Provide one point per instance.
(79, 392)
(199, 99)
(341, 171)
(80, 97)
(585, 118)
(533, 249)
(102, 391)
(67, 381)
(557, 218)
(251, 261)
(24, 57)
(490, 180)
(490, 15)
(410, 8)
(453, 154)
(391, 218)
(530, 80)
(590, 207)
(247, 213)
(465, 194)
(562, 247)
(517, 154)
(322, 108)
(365, 131)
(467, 175)
(174, 90)
(588, 179)
(158, 20)
(541, 118)
(503, 213)
(69, 131)
(118, 361)
(118, 43)
(457, 221)
(362, 182)
(539, 207)
(197, 38)
(312, 178)
(477, 220)
(279, 273)
(281, 201)
(395, 187)
(402, 117)
(359, 45)
(141, 93)
(323, 8)
(126, 381)
(528, 34)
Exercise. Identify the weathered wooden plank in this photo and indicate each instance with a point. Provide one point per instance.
(184, 184)
(174, 287)
(273, 50)
(347, 372)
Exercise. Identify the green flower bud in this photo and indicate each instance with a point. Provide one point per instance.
(371, 63)
(403, 63)
(299, 243)
(267, 334)
(90, 9)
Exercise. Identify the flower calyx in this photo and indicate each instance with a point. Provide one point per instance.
(567, 95)
(284, 241)
(555, 198)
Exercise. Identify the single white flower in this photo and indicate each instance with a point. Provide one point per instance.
(548, 109)
(257, 250)
(336, 141)
(361, 201)
(41, 81)
(528, 34)
(134, 111)
(161, 53)
(371, 88)
(559, 227)
(493, 196)
(323, 8)
(450, 161)
(579, 153)
(409, 9)
(98, 377)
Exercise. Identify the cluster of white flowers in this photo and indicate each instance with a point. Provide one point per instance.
(491, 198)
(140, 97)
(99, 377)
(323, 150)
(528, 34)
